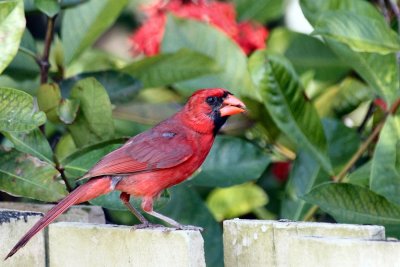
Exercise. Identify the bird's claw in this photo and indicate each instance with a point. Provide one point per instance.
(190, 228)
(147, 226)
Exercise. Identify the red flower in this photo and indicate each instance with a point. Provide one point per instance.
(148, 37)
(281, 170)
(380, 103)
(251, 36)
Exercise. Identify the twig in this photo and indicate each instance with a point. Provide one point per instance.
(396, 11)
(44, 60)
(370, 112)
(29, 53)
(384, 10)
(339, 178)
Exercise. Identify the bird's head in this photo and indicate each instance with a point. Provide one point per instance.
(208, 109)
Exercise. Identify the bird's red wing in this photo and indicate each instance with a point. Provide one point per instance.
(145, 152)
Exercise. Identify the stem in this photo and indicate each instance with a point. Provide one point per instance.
(60, 169)
(384, 10)
(370, 112)
(339, 178)
(44, 60)
(28, 52)
(396, 11)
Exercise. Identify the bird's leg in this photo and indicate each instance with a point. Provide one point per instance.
(144, 222)
(147, 206)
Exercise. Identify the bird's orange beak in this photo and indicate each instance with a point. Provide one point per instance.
(232, 106)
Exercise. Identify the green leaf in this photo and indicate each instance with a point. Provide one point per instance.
(289, 107)
(27, 176)
(385, 170)
(18, 112)
(306, 173)
(12, 25)
(187, 207)
(307, 53)
(205, 39)
(24, 65)
(314, 9)
(231, 161)
(67, 110)
(113, 202)
(361, 176)
(30, 5)
(343, 98)
(145, 113)
(48, 97)
(83, 24)
(261, 11)
(360, 33)
(120, 87)
(64, 147)
(33, 143)
(80, 161)
(169, 68)
(349, 203)
(235, 201)
(94, 122)
(49, 7)
(379, 71)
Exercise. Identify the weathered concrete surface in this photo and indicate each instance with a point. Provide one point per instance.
(78, 244)
(266, 243)
(334, 252)
(78, 213)
(13, 225)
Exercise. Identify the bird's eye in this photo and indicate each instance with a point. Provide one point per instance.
(211, 100)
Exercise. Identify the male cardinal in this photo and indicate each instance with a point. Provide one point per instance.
(153, 160)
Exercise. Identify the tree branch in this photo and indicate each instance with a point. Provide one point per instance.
(43, 62)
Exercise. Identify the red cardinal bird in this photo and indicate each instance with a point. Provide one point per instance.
(153, 160)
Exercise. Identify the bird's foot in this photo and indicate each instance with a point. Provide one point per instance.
(189, 227)
(147, 225)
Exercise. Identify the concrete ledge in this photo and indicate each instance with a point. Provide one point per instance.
(268, 243)
(78, 213)
(333, 252)
(13, 225)
(78, 244)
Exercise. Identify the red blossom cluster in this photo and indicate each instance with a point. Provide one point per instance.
(147, 39)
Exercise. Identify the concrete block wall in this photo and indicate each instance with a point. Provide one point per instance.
(78, 244)
(13, 224)
(285, 244)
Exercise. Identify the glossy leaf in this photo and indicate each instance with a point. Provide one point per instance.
(169, 68)
(30, 6)
(361, 176)
(49, 7)
(288, 105)
(205, 39)
(261, 11)
(120, 87)
(145, 113)
(67, 110)
(12, 25)
(94, 122)
(48, 97)
(33, 143)
(235, 201)
(385, 170)
(360, 33)
(379, 71)
(231, 161)
(18, 112)
(314, 9)
(80, 161)
(27, 176)
(349, 203)
(83, 24)
(24, 66)
(306, 173)
(343, 98)
(307, 53)
(187, 207)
